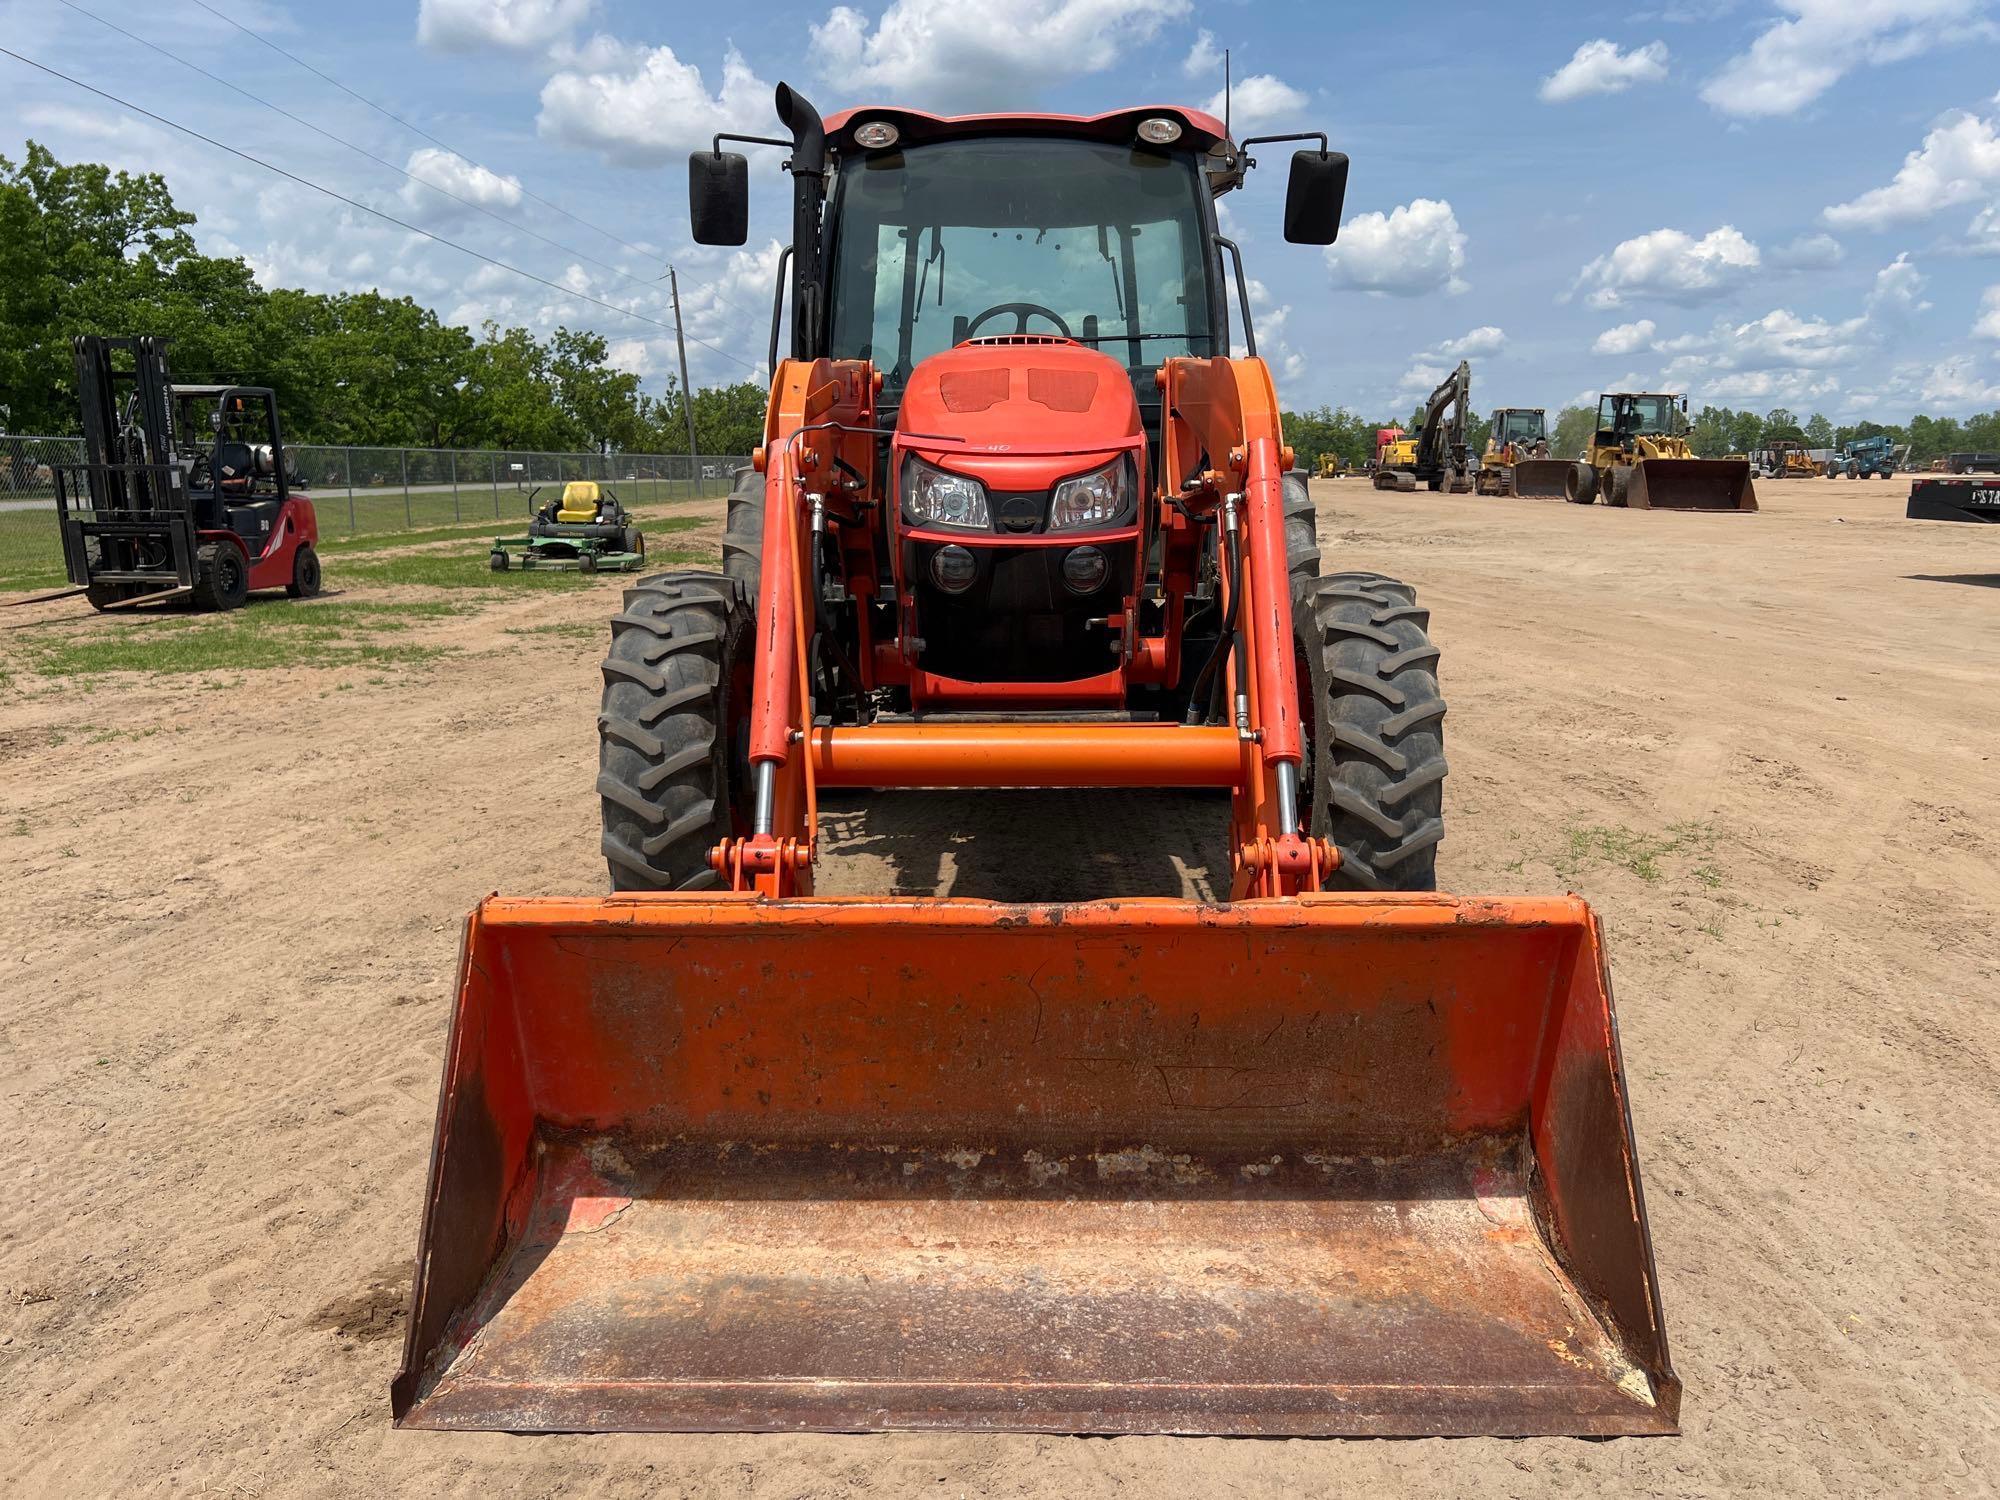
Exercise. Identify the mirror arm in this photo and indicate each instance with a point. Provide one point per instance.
(1242, 294)
(1250, 161)
(715, 146)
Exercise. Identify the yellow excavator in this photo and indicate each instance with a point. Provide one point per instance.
(1639, 457)
(1436, 454)
(1516, 460)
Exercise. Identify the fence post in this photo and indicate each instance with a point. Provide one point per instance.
(493, 463)
(454, 487)
(347, 465)
(407, 522)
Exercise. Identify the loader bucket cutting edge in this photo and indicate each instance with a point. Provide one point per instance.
(1691, 484)
(1331, 1165)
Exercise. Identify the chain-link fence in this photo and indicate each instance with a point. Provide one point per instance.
(364, 489)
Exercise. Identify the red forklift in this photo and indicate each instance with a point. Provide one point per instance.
(185, 492)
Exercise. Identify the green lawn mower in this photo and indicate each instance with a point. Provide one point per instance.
(584, 530)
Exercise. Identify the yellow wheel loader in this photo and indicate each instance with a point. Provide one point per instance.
(1332, 1153)
(1516, 461)
(1639, 457)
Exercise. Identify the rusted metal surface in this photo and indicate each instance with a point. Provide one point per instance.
(1332, 1165)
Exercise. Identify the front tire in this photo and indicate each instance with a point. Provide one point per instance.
(1301, 531)
(673, 730)
(1375, 755)
(743, 532)
(1580, 485)
(221, 576)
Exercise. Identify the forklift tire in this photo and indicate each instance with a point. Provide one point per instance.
(743, 531)
(305, 573)
(221, 576)
(1375, 763)
(672, 767)
(497, 561)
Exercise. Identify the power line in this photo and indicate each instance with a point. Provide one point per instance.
(339, 197)
(380, 161)
(414, 129)
(389, 114)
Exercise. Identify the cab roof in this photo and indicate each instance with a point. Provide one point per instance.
(1202, 130)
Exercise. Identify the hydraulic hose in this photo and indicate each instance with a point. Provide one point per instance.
(1226, 639)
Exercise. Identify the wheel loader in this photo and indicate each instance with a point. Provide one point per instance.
(1516, 460)
(1336, 1154)
(1639, 457)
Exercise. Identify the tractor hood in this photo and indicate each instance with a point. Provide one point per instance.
(1020, 412)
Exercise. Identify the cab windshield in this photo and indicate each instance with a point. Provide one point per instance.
(1521, 427)
(1639, 414)
(974, 239)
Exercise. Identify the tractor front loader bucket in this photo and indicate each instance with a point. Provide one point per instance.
(1691, 484)
(1541, 478)
(1324, 1165)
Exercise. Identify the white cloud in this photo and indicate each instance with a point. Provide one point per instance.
(1483, 340)
(464, 180)
(1413, 249)
(1626, 338)
(1797, 59)
(1956, 384)
(966, 57)
(1203, 58)
(1600, 68)
(1809, 252)
(1672, 266)
(641, 106)
(1982, 235)
(1988, 326)
(511, 25)
(1257, 100)
(1785, 357)
(1958, 162)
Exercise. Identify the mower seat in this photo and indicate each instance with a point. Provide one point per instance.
(579, 503)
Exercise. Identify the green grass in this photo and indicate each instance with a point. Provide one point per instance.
(569, 630)
(1641, 853)
(31, 548)
(261, 635)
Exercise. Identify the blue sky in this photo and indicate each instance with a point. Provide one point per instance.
(1762, 203)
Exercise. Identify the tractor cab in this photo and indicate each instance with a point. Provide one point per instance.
(1522, 427)
(1622, 417)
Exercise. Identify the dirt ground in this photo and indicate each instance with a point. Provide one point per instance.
(1764, 745)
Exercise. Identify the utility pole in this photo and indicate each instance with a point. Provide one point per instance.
(687, 393)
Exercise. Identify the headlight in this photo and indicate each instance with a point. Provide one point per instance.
(1100, 498)
(933, 497)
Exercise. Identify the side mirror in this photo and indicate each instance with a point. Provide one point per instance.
(1314, 196)
(719, 197)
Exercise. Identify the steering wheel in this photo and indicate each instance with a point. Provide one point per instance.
(1022, 311)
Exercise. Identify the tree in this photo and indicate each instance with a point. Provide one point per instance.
(1780, 426)
(1575, 426)
(1746, 431)
(1819, 432)
(1709, 434)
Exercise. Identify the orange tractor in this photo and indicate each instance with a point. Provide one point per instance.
(1338, 1154)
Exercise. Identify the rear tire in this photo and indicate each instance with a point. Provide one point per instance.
(743, 532)
(305, 582)
(1375, 757)
(1301, 531)
(672, 730)
(221, 576)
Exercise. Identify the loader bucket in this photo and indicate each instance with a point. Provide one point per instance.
(1691, 484)
(1541, 478)
(1330, 1165)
